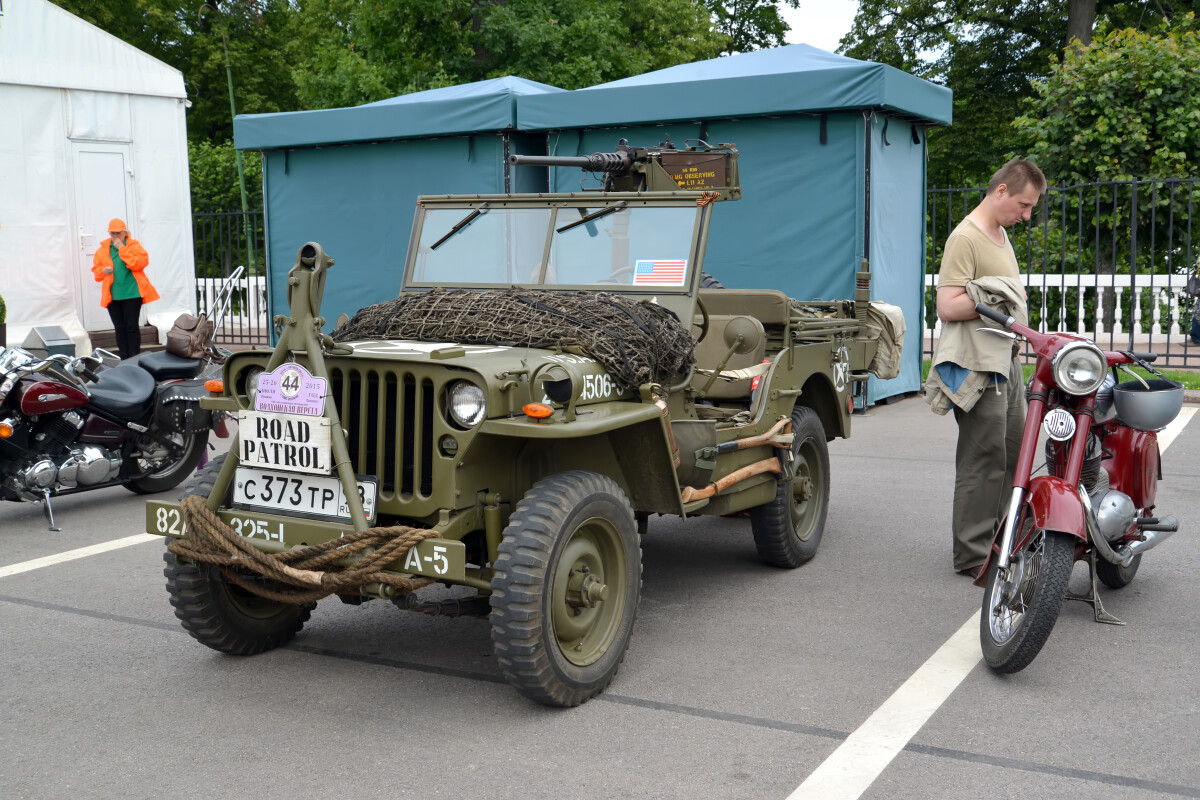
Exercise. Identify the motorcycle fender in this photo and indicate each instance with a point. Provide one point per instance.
(1055, 506)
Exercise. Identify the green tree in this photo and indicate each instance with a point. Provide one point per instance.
(368, 50)
(988, 53)
(260, 39)
(214, 177)
(1122, 107)
(750, 24)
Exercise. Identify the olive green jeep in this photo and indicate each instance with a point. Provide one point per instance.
(553, 373)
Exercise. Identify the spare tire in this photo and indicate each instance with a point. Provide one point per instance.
(709, 282)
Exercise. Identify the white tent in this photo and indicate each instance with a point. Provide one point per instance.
(93, 129)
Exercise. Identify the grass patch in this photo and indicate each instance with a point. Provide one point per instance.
(1189, 378)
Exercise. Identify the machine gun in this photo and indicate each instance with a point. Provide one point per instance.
(699, 167)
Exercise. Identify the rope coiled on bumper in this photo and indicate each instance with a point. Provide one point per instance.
(302, 576)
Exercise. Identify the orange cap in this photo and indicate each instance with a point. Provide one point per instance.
(116, 225)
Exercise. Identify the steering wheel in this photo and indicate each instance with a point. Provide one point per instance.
(703, 324)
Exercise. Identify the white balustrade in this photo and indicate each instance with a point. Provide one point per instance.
(1167, 292)
(249, 307)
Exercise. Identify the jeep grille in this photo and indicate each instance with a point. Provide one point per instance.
(388, 415)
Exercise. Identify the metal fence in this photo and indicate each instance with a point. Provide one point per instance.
(221, 246)
(1108, 260)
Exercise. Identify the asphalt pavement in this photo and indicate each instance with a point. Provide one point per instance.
(741, 680)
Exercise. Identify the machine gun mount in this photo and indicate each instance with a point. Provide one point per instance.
(699, 167)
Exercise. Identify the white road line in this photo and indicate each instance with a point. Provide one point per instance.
(866, 753)
(1168, 434)
(71, 555)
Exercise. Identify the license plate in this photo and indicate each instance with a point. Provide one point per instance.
(312, 496)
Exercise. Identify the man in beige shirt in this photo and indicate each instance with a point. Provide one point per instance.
(990, 420)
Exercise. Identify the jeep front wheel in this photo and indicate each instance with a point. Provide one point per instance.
(787, 530)
(566, 587)
(220, 614)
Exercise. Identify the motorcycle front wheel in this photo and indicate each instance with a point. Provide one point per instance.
(1021, 607)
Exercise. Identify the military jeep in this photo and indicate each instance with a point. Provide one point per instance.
(503, 415)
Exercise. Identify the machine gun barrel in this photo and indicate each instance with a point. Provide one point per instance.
(596, 162)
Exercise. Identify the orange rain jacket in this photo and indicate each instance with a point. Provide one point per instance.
(135, 257)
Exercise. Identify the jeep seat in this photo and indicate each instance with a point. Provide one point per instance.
(714, 348)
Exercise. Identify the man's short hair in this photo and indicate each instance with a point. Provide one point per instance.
(1017, 174)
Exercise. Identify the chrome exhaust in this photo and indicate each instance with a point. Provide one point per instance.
(1124, 554)
(1155, 535)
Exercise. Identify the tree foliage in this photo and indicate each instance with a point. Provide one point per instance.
(750, 24)
(988, 53)
(373, 50)
(1122, 107)
(258, 32)
(214, 177)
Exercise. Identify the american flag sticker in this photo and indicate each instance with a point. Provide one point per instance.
(660, 272)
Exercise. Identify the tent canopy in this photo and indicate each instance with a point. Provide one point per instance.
(59, 50)
(93, 129)
(798, 78)
(832, 163)
(471, 108)
(349, 178)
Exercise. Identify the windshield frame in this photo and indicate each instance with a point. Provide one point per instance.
(556, 205)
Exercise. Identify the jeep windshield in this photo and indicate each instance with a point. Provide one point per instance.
(614, 245)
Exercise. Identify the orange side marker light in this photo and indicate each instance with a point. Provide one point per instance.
(215, 385)
(537, 410)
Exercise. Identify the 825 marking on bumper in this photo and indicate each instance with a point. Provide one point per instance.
(444, 559)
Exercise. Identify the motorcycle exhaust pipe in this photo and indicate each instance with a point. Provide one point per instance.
(1155, 534)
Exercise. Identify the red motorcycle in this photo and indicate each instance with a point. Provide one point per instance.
(1095, 504)
(70, 425)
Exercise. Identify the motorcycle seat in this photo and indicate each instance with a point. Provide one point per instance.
(124, 391)
(164, 366)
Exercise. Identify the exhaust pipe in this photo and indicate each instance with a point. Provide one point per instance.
(1155, 534)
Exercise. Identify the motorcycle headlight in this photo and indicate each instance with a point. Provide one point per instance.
(468, 406)
(1079, 368)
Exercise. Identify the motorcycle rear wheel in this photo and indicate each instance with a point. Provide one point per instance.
(1115, 576)
(1019, 612)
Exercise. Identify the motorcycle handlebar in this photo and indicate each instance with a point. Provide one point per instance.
(1144, 356)
(994, 315)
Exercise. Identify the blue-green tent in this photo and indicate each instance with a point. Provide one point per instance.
(832, 162)
(349, 178)
(832, 166)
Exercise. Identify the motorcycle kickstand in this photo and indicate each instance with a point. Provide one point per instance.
(47, 510)
(1093, 595)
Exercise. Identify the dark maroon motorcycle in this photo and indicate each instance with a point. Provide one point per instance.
(1096, 502)
(71, 425)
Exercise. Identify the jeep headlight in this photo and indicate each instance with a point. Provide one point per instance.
(252, 383)
(468, 406)
(1079, 368)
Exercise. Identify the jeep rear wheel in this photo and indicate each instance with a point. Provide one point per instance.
(788, 530)
(220, 614)
(566, 588)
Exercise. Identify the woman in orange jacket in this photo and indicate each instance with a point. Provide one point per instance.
(119, 265)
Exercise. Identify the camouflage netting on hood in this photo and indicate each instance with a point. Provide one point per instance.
(635, 340)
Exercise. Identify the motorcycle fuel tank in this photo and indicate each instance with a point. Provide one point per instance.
(44, 397)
